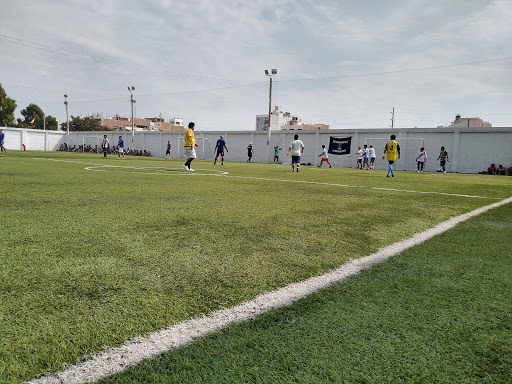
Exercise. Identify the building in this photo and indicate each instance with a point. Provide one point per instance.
(284, 121)
(469, 122)
(278, 119)
(148, 124)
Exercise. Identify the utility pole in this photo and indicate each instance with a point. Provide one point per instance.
(270, 74)
(393, 119)
(132, 101)
(67, 116)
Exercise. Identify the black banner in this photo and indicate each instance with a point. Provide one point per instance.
(340, 145)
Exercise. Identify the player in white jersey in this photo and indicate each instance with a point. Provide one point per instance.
(105, 146)
(296, 148)
(421, 159)
(325, 157)
(371, 155)
(365, 157)
(359, 154)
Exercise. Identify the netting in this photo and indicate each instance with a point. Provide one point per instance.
(409, 148)
(204, 150)
(90, 143)
(426, 97)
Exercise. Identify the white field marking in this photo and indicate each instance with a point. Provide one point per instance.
(156, 171)
(225, 174)
(115, 360)
(361, 186)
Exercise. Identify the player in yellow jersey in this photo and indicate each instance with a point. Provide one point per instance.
(392, 149)
(190, 143)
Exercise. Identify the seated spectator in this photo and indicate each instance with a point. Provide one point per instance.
(501, 171)
(491, 170)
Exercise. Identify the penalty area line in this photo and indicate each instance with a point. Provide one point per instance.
(115, 360)
(176, 171)
(360, 186)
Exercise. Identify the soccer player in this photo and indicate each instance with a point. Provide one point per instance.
(2, 138)
(120, 147)
(421, 159)
(105, 146)
(250, 152)
(296, 148)
(359, 154)
(189, 144)
(365, 157)
(168, 150)
(443, 157)
(219, 147)
(371, 154)
(325, 157)
(392, 149)
(276, 154)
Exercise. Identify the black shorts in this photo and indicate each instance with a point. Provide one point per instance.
(220, 153)
(168, 152)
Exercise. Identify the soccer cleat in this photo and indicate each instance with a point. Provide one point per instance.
(191, 170)
(184, 166)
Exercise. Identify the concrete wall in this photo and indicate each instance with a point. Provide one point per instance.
(471, 149)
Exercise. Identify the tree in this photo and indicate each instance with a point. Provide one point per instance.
(35, 118)
(87, 123)
(30, 114)
(51, 123)
(7, 108)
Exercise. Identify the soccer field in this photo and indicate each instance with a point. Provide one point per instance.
(98, 251)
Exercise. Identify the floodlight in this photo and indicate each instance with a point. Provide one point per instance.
(274, 71)
(266, 72)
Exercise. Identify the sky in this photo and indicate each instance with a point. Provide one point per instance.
(342, 63)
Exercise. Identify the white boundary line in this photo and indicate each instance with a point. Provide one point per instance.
(176, 171)
(115, 360)
(362, 186)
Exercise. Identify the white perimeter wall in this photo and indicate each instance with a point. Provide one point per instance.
(471, 149)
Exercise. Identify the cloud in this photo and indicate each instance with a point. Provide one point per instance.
(205, 60)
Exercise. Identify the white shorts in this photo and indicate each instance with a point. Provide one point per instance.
(120, 150)
(190, 153)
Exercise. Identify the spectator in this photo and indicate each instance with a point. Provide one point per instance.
(501, 170)
(491, 170)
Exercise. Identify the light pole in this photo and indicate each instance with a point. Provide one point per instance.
(270, 74)
(132, 101)
(67, 116)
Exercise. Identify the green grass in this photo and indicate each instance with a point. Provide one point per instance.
(94, 258)
(437, 313)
